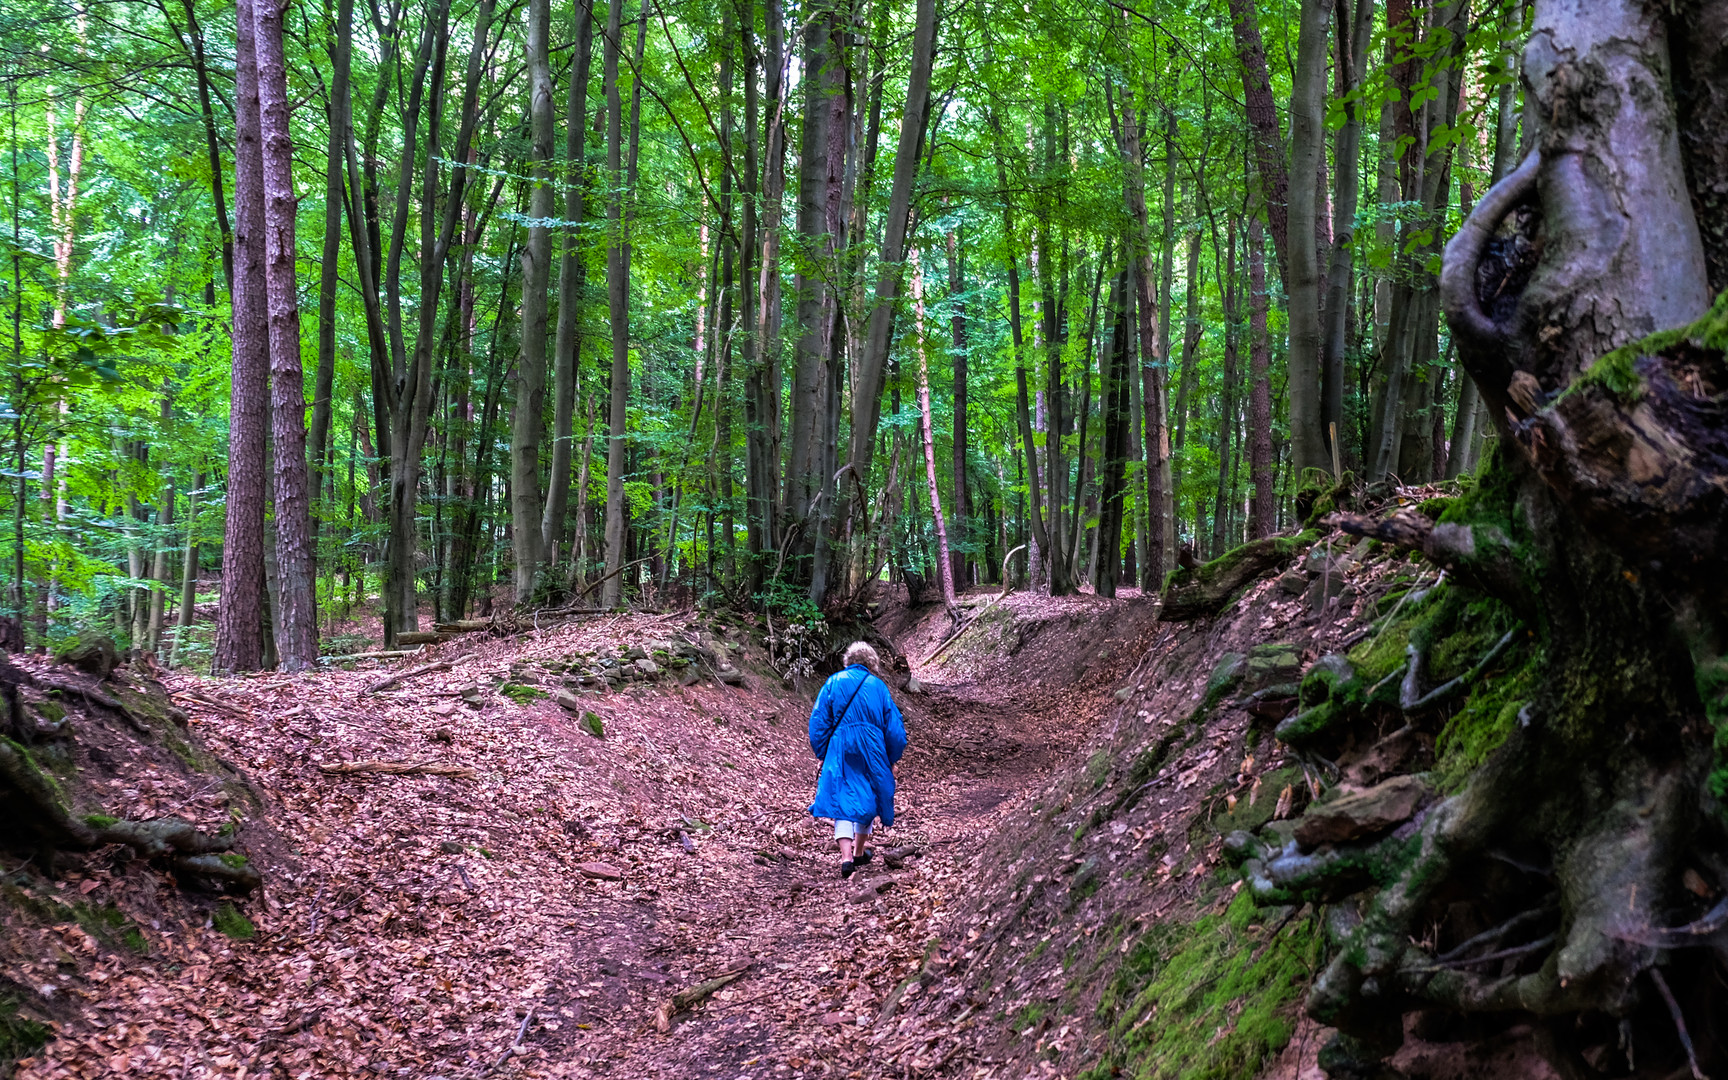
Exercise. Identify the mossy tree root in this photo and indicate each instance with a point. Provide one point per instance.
(31, 800)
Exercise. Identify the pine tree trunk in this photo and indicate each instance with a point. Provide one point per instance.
(297, 644)
(240, 618)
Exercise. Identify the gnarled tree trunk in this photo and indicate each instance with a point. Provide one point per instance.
(1600, 523)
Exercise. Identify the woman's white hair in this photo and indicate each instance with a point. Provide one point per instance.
(860, 652)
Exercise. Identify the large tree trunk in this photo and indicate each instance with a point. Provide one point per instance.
(567, 345)
(1600, 526)
(297, 644)
(1351, 48)
(525, 510)
(1302, 280)
(240, 618)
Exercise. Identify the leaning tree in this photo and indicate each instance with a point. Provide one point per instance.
(1579, 294)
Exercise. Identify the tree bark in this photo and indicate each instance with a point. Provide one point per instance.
(297, 643)
(530, 388)
(618, 305)
(1302, 281)
(567, 345)
(1263, 515)
(873, 363)
(240, 617)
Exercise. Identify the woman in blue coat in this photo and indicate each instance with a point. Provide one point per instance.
(857, 732)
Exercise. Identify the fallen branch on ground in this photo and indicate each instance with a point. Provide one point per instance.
(691, 996)
(424, 669)
(382, 654)
(463, 626)
(399, 768)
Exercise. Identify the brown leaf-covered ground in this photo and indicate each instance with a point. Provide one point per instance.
(440, 925)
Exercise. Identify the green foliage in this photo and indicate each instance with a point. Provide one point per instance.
(1212, 1000)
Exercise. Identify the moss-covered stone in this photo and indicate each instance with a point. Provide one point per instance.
(20, 1036)
(1208, 589)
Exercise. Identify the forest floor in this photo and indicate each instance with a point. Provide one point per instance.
(537, 914)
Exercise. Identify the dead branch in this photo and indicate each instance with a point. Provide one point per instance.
(395, 680)
(399, 768)
(463, 626)
(382, 654)
(692, 996)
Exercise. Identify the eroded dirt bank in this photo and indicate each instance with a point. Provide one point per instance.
(533, 913)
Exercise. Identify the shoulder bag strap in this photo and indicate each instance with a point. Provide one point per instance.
(835, 726)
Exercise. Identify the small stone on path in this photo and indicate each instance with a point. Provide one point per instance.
(600, 870)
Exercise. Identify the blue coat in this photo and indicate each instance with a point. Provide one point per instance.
(857, 779)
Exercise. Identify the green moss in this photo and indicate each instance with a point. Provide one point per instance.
(1249, 818)
(1711, 677)
(111, 926)
(232, 860)
(592, 724)
(100, 821)
(1029, 1017)
(522, 695)
(228, 919)
(1213, 1000)
(1097, 768)
(33, 767)
(20, 1036)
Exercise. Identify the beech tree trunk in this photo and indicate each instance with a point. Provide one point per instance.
(567, 345)
(1262, 518)
(1302, 279)
(240, 617)
(618, 306)
(525, 509)
(944, 567)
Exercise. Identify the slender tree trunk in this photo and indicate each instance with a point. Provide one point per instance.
(335, 194)
(1267, 133)
(1113, 454)
(1263, 517)
(944, 567)
(962, 496)
(1351, 48)
(188, 572)
(1155, 434)
(159, 572)
(1227, 407)
(873, 363)
(618, 304)
(240, 618)
(567, 348)
(297, 644)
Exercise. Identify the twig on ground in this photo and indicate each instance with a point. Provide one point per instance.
(395, 680)
(399, 768)
(693, 995)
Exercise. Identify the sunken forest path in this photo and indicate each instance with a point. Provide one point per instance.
(823, 959)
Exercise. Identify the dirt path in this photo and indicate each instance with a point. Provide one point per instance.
(528, 915)
(821, 961)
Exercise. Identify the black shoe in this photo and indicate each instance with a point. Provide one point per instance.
(864, 857)
(847, 867)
